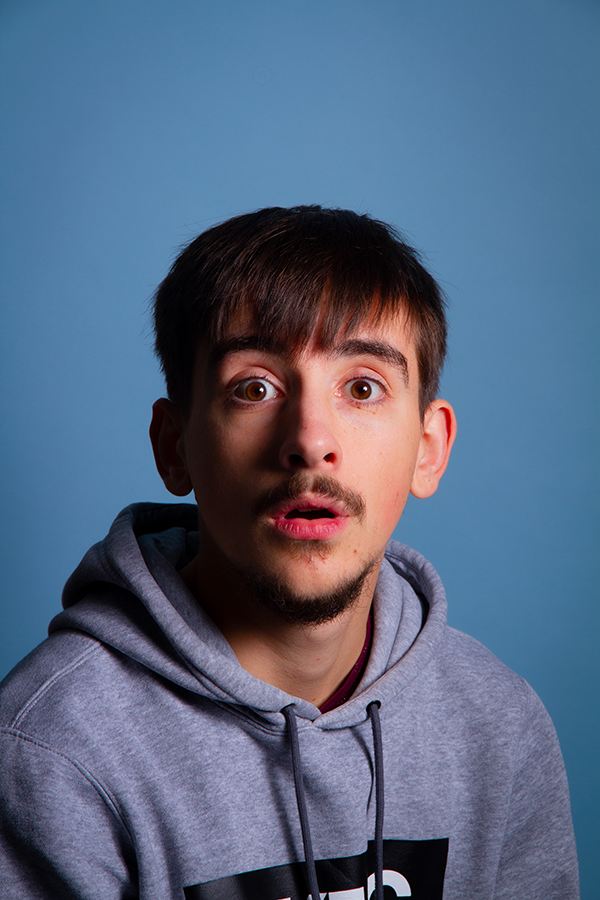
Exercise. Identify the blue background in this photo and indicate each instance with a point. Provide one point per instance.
(131, 126)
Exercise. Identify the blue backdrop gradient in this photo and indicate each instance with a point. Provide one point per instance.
(473, 126)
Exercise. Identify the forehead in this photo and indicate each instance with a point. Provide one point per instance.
(387, 337)
(320, 328)
(295, 318)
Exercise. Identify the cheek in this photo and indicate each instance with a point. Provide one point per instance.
(388, 473)
(221, 462)
(391, 505)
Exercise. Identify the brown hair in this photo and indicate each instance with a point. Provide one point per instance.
(303, 273)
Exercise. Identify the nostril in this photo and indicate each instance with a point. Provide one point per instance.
(298, 461)
(306, 452)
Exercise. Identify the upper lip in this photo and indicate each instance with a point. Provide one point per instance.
(308, 502)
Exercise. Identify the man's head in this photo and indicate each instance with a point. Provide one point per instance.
(302, 274)
(302, 351)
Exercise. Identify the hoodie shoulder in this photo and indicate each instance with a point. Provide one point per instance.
(46, 667)
(483, 689)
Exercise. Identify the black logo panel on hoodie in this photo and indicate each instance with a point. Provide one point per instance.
(411, 869)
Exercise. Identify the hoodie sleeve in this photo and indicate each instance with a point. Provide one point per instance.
(61, 834)
(539, 859)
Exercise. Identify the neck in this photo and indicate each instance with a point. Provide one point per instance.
(306, 661)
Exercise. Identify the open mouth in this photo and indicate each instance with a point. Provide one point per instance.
(311, 513)
(308, 520)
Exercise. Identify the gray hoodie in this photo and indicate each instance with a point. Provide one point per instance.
(138, 759)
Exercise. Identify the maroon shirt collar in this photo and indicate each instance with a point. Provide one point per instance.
(345, 691)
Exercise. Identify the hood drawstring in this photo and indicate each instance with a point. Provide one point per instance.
(373, 713)
(290, 717)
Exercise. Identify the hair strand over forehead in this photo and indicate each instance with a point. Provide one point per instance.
(300, 274)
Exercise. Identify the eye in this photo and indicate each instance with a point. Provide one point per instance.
(255, 390)
(365, 389)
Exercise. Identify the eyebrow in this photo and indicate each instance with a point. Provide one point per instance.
(380, 349)
(245, 342)
(350, 347)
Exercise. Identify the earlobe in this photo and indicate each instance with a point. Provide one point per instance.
(166, 435)
(439, 431)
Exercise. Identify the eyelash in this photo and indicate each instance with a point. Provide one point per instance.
(370, 380)
(346, 386)
(247, 381)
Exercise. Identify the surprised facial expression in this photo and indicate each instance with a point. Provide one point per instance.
(301, 463)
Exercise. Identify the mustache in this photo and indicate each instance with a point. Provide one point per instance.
(320, 485)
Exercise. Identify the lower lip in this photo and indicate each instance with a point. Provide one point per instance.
(310, 529)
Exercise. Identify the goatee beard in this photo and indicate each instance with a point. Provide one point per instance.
(272, 593)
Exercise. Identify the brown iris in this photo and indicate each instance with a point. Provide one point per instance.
(255, 390)
(361, 390)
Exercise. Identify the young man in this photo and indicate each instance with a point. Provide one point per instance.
(259, 697)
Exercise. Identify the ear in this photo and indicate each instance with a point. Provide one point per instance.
(166, 434)
(437, 437)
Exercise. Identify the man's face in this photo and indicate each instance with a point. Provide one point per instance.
(301, 464)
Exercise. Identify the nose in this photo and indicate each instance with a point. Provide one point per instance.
(309, 441)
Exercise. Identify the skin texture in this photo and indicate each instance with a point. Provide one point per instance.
(271, 438)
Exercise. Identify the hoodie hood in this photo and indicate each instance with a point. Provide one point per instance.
(140, 758)
(154, 619)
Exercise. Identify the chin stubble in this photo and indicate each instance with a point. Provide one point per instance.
(273, 594)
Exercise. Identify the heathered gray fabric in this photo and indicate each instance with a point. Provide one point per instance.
(138, 757)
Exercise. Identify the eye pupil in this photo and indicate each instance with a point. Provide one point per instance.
(361, 390)
(256, 390)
